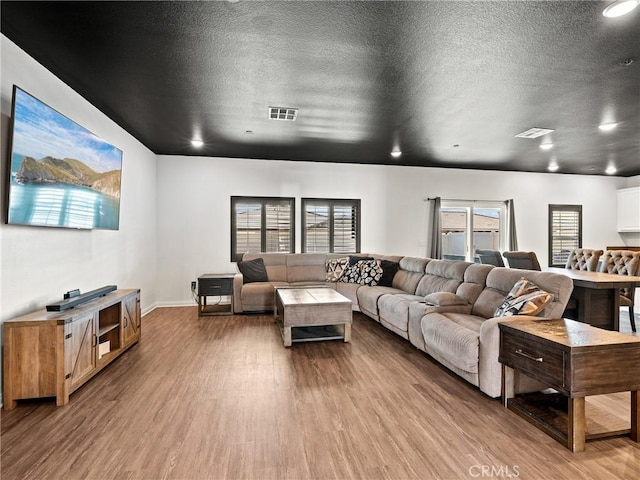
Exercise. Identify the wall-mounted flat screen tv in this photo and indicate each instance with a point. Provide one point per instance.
(60, 174)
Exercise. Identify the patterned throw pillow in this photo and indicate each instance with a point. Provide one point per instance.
(363, 272)
(335, 268)
(525, 298)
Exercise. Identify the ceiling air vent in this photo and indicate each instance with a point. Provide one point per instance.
(534, 132)
(281, 113)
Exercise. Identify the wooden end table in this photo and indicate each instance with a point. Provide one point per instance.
(215, 285)
(576, 360)
(314, 312)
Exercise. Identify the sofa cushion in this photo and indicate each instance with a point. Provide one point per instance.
(444, 299)
(306, 267)
(442, 276)
(501, 280)
(475, 278)
(525, 298)
(368, 298)
(394, 309)
(259, 296)
(253, 271)
(454, 337)
(410, 273)
(335, 268)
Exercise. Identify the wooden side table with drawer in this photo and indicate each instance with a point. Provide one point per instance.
(574, 359)
(217, 285)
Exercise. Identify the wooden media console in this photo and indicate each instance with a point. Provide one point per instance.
(52, 354)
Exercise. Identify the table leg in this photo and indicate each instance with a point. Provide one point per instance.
(347, 332)
(635, 416)
(615, 299)
(576, 423)
(507, 389)
(286, 333)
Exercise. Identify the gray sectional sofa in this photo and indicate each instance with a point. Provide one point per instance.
(443, 307)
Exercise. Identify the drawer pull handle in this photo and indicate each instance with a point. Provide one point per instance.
(530, 357)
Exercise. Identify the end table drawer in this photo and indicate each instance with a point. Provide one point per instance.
(215, 286)
(539, 359)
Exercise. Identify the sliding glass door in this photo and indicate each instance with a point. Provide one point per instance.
(467, 226)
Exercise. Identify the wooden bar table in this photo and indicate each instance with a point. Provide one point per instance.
(598, 296)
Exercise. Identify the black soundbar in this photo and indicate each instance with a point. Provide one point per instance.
(76, 300)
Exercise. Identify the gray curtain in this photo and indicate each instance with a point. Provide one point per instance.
(436, 239)
(513, 237)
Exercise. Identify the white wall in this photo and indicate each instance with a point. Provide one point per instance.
(194, 206)
(39, 264)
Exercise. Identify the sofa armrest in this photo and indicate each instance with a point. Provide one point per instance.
(489, 368)
(238, 281)
(445, 299)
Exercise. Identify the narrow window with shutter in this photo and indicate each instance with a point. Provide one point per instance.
(330, 225)
(261, 224)
(565, 232)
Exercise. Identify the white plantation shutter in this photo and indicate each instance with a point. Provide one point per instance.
(261, 224)
(248, 227)
(278, 220)
(330, 225)
(344, 229)
(316, 227)
(565, 232)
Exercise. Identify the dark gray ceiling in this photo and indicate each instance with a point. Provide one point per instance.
(450, 82)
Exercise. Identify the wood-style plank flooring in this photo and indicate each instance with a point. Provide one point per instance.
(221, 398)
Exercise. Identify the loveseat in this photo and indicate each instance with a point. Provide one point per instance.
(446, 308)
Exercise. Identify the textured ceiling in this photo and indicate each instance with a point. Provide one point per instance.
(450, 83)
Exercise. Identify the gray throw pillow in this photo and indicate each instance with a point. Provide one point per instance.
(253, 271)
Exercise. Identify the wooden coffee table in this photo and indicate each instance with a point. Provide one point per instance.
(576, 360)
(312, 314)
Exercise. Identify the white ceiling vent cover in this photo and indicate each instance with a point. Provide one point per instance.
(282, 113)
(534, 132)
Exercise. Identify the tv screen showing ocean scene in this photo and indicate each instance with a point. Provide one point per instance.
(61, 174)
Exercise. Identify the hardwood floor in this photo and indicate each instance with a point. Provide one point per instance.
(221, 398)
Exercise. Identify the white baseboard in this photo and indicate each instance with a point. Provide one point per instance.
(176, 304)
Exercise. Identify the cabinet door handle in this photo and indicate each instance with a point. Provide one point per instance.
(95, 341)
(125, 322)
(530, 357)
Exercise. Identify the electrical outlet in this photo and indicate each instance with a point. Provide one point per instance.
(193, 286)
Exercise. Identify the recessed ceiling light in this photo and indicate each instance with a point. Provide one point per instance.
(396, 152)
(197, 143)
(620, 7)
(546, 146)
(611, 169)
(607, 126)
(553, 167)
